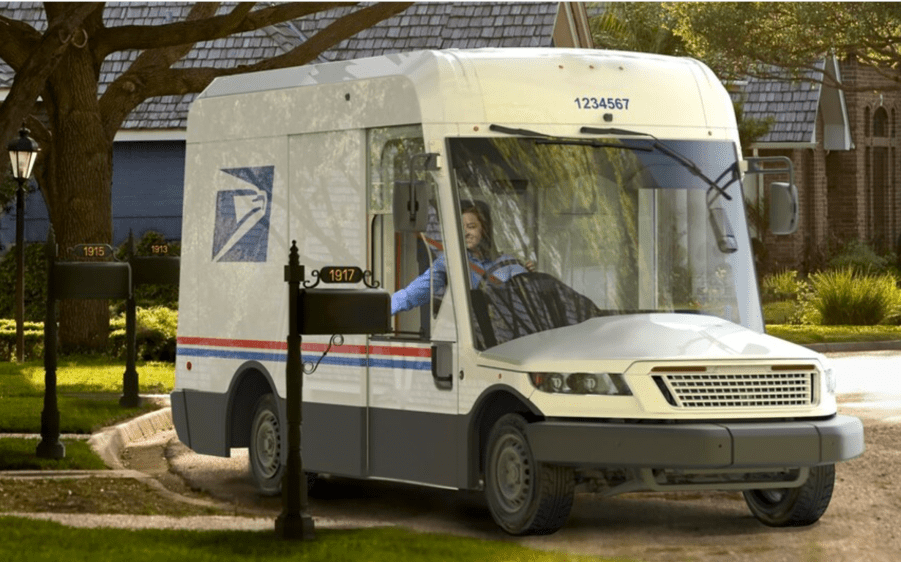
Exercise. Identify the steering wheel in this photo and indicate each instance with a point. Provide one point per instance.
(494, 267)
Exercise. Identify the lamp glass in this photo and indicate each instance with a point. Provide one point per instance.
(22, 154)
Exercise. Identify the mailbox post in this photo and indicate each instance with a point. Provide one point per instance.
(95, 280)
(50, 446)
(130, 398)
(323, 312)
(294, 522)
(145, 270)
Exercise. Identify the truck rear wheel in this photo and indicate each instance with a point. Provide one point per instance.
(524, 496)
(266, 447)
(794, 507)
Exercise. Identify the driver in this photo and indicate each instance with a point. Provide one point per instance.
(483, 261)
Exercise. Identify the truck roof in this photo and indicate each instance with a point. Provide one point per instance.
(504, 86)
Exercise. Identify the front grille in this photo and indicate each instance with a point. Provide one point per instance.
(743, 390)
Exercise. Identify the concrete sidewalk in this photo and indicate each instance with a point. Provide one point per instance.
(109, 444)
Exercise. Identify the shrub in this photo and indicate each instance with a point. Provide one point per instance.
(154, 334)
(35, 283)
(783, 286)
(34, 339)
(848, 297)
(151, 295)
(780, 312)
(861, 258)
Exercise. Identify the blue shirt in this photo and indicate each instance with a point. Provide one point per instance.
(417, 292)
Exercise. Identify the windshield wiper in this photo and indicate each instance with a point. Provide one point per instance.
(543, 138)
(684, 161)
(517, 132)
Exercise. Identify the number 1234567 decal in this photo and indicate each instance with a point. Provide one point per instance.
(602, 103)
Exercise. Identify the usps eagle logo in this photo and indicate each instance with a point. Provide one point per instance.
(241, 233)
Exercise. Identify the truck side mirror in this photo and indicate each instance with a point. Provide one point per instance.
(785, 211)
(410, 207)
(784, 208)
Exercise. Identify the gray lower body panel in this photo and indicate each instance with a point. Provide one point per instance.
(698, 445)
(200, 421)
(333, 439)
(414, 446)
(402, 445)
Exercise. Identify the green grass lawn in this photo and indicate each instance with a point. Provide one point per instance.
(805, 334)
(37, 541)
(88, 390)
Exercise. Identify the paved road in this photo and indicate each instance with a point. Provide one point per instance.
(699, 526)
(869, 384)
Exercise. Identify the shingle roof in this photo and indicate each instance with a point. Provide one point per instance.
(458, 25)
(793, 105)
(422, 26)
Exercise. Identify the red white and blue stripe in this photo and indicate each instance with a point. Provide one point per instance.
(378, 356)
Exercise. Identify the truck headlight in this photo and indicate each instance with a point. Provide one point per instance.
(610, 384)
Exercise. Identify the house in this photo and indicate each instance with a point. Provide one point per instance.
(844, 148)
(148, 154)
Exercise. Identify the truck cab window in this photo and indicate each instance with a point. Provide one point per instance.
(606, 228)
(410, 265)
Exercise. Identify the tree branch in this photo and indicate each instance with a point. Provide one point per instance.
(240, 20)
(142, 83)
(32, 75)
(18, 41)
(124, 93)
(339, 30)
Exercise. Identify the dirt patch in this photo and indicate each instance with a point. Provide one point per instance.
(118, 496)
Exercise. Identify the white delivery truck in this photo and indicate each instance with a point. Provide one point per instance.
(608, 331)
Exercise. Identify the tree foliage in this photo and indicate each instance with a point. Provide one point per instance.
(650, 27)
(61, 64)
(645, 27)
(753, 38)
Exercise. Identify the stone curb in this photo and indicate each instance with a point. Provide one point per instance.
(110, 442)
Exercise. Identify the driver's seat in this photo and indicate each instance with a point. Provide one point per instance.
(526, 304)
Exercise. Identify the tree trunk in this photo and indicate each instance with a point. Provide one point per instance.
(80, 176)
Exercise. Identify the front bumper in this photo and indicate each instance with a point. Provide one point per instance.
(736, 445)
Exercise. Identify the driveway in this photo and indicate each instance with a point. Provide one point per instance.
(860, 524)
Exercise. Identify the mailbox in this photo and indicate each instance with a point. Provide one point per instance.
(83, 280)
(151, 270)
(344, 311)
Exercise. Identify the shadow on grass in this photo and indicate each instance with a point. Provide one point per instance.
(372, 545)
(19, 454)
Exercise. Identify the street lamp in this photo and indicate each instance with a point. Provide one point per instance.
(22, 153)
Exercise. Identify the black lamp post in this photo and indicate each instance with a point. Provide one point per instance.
(22, 154)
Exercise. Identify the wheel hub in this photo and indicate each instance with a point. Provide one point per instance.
(268, 446)
(513, 475)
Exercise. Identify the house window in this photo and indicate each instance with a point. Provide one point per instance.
(880, 123)
(882, 197)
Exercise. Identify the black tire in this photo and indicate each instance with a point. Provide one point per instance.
(265, 455)
(525, 497)
(794, 507)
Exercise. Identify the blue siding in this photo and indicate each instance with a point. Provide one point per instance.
(148, 190)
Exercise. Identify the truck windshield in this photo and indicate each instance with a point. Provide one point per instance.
(580, 228)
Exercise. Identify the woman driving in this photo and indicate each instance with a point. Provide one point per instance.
(484, 263)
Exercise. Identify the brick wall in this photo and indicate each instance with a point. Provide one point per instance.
(845, 195)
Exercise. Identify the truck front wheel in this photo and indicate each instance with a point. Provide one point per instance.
(524, 496)
(794, 507)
